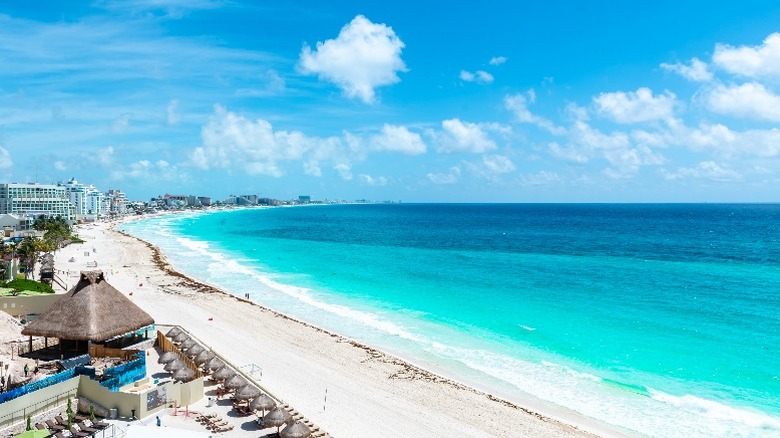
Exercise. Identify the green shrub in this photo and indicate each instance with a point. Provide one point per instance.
(28, 285)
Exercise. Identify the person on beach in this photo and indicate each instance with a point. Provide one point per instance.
(158, 421)
(26, 369)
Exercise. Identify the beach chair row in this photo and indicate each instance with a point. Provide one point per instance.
(214, 423)
(58, 428)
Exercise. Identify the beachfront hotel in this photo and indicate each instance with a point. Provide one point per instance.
(93, 363)
(33, 199)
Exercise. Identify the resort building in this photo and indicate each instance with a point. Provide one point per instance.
(86, 199)
(33, 199)
(116, 202)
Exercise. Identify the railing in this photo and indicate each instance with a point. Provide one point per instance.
(40, 384)
(119, 376)
(43, 405)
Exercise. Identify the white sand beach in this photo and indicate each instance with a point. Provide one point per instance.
(369, 393)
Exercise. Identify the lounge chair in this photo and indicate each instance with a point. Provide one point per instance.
(54, 427)
(99, 424)
(77, 433)
(84, 428)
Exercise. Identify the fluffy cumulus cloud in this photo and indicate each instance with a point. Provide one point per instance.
(145, 170)
(751, 100)
(364, 56)
(452, 176)
(232, 140)
(696, 71)
(459, 136)
(344, 170)
(373, 181)
(625, 153)
(498, 164)
(518, 105)
(497, 60)
(635, 106)
(398, 139)
(705, 170)
(479, 76)
(750, 61)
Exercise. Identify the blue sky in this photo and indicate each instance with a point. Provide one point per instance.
(417, 101)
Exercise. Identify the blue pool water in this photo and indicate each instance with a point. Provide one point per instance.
(661, 319)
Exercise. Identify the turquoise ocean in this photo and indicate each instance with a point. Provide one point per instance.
(659, 319)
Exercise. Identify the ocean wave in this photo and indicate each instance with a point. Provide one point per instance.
(717, 411)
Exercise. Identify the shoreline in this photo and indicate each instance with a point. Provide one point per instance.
(394, 369)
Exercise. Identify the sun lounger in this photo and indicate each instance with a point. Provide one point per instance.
(54, 426)
(78, 433)
(99, 424)
(84, 428)
(223, 428)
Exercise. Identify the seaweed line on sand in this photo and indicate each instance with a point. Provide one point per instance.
(407, 371)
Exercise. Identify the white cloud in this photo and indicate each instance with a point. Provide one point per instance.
(373, 181)
(750, 61)
(5, 158)
(518, 104)
(232, 140)
(145, 170)
(451, 177)
(697, 71)
(542, 178)
(624, 156)
(750, 100)
(704, 170)
(764, 143)
(498, 60)
(60, 166)
(480, 77)
(344, 170)
(459, 136)
(498, 163)
(173, 116)
(363, 57)
(398, 139)
(636, 106)
(121, 123)
(312, 168)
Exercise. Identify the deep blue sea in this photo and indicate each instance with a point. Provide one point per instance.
(660, 319)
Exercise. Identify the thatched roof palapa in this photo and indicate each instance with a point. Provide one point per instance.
(92, 311)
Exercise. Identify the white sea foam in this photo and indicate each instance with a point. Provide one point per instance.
(717, 411)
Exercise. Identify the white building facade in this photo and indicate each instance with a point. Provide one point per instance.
(33, 200)
(88, 202)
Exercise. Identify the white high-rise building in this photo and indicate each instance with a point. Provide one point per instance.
(86, 200)
(117, 202)
(35, 199)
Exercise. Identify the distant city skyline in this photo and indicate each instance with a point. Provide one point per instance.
(418, 102)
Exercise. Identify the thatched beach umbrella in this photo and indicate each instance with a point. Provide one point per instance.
(174, 365)
(215, 364)
(186, 345)
(183, 375)
(262, 403)
(296, 430)
(235, 382)
(247, 392)
(168, 356)
(181, 337)
(276, 418)
(203, 357)
(195, 350)
(223, 373)
(172, 333)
